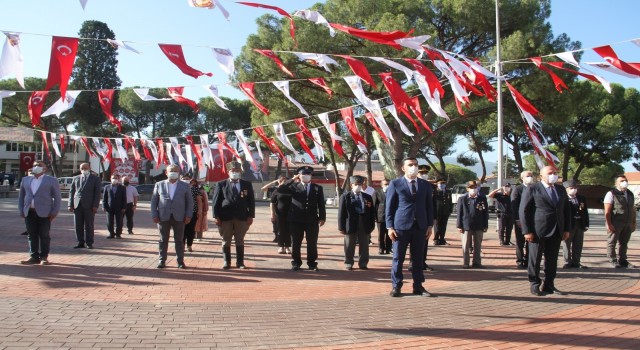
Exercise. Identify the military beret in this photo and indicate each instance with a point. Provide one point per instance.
(233, 165)
(307, 170)
(570, 183)
(423, 168)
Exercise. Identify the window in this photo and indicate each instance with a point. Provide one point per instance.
(18, 147)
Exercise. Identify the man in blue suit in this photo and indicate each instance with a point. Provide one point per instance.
(409, 218)
(545, 215)
(39, 204)
(115, 204)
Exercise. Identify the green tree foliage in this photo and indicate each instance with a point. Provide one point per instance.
(95, 69)
(212, 118)
(458, 175)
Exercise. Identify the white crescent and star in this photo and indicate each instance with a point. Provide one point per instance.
(106, 100)
(64, 50)
(36, 100)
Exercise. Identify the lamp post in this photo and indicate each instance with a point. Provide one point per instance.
(499, 97)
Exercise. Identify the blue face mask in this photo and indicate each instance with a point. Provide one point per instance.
(442, 187)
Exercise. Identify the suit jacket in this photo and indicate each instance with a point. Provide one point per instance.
(114, 203)
(516, 197)
(538, 213)
(473, 215)
(162, 206)
(379, 200)
(348, 217)
(579, 213)
(46, 200)
(304, 208)
(86, 195)
(403, 208)
(227, 206)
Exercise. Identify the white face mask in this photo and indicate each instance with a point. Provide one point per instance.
(411, 171)
(572, 192)
(473, 191)
(173, 175)
(37, 170)
(384, 188)
(552, 178)
(424, 176)
(357, 188)
(86, 172)
(528, 180)
(305, 178)
(234, 176)
(115, 181)
(623, 184)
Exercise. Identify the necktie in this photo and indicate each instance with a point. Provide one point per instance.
(359, 205)
(554, 196)
(84, 179)
(234, 189)
(413, 187)
(306, 189)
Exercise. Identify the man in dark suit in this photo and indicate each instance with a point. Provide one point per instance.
(306, 214)
(84, 200)
(502, 197)
(409, 218)
(472, 222)
(171, 208)
(114, 202)
(39, 204)
(546, 221)
(572, 246)
(356, 220)
(443, 209)
(379, 199)
(516, 196)
(234, 208)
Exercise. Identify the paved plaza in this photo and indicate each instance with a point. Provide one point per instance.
(114, 297)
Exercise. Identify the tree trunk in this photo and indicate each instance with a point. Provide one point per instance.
(565, 160)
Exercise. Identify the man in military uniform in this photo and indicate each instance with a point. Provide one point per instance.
(505, 213)
(234, 208)
(379, 199)
(572, 247)
(444, 207)
(306, 215)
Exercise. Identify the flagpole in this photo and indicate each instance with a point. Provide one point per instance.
(499, 97)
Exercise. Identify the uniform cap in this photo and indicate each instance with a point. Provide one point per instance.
(356, 180)
(305, 170)
(423, 168)
(233, 165)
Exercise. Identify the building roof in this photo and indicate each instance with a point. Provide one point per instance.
(633, 177)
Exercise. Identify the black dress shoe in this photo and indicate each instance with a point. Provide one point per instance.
(427, 268)
(535, 290)
(567, 266)
(521, 266)
(422, 292)
(130, 232)
(380, 251)
(90, 246)
(31, 261)
(182, 266)
(160, 265)
(79, 246)
(111, 237)
(295, 268)
(119, 237)
(24, 233)
(363, 268)
(477, 266)
(395, 292)
(314, 268)
(553, 290)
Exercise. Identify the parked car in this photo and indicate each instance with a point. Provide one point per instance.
(145, 188)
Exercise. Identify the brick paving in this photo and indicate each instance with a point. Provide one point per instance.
(114, 297)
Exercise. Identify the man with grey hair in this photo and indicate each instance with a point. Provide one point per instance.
(171, 208)
(84, 200)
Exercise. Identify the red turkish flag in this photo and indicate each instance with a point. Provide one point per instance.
(194, 149)
(45, 143)
(304, 146)
(36, 103)
(430, 77)
(260, 131)
(146, 150)
(523, 103)
(105, 97)
(162, 159)
(176, 56)
(26, 160)
(359, 69)
(274, 58)
(85, 143)
(350, 122)
(247, 89)
(62, 142)
(292, 26)
(372, 120)
(63, 55)
(386, 38)
(335, 143)
(303, 127)
(131, 142)
(610, 56)
(218, 172)
(109, 154)
(323, 84)
(559, 84)
(417, 110)
(273, 147)
(398, 96)
(176, 94)
(222, 138)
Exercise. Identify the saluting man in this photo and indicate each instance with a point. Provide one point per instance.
(306, 214)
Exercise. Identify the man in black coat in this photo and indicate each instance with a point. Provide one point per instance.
(472, 222)
(114, 202)
(502, 197)
(84, 201)
(572, 246)
(234, 207)
(516, 196)
(379, 198)
(306, 214)
(444, 207)
(356, 220)
(546, 221)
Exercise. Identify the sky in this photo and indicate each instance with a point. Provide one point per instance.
(145, 23)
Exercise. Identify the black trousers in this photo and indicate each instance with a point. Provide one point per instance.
(548, 247)
(505, 226)
(521, 245)
(283, 233)
(384, 242)
(440, 227)
(129, 215)
(114, 222)
(83, 219)
(190, 230)
(38, 235)
(298, 231)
